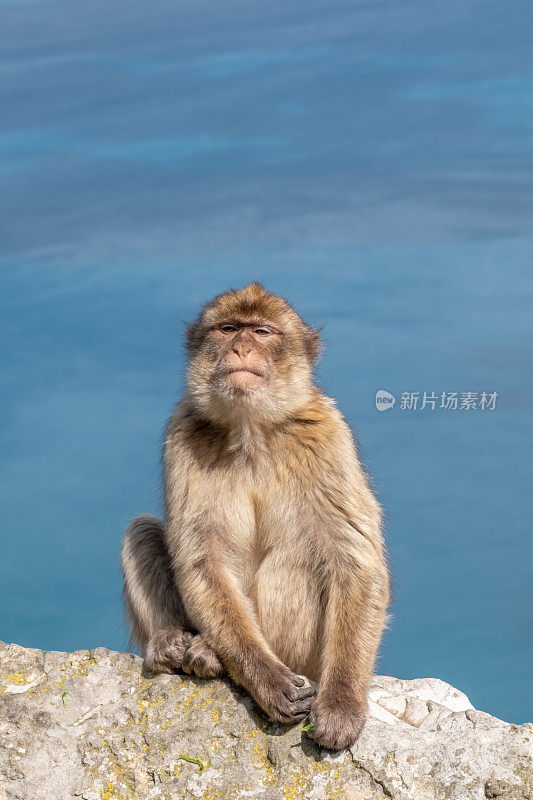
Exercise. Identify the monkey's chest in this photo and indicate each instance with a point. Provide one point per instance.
(284, 589)
(266, 526)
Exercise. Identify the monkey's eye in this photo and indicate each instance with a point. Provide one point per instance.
(263, 331)
(227, 328)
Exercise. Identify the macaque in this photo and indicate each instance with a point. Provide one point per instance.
(269, 564)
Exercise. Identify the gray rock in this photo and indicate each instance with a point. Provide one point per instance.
(92, 725)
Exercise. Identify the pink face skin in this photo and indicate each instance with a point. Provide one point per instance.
(245, 349)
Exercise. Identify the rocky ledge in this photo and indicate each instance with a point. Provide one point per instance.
(91, 724)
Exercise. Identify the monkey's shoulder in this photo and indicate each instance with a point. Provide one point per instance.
(193, 438)
(315, 445)
(318, 422)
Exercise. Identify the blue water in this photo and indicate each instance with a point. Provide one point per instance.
(372, 161)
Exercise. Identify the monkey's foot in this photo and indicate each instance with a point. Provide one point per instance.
(201, 659)
(336, 723)
(166, 648)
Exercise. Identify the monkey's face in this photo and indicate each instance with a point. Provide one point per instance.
(250, 354)
(244, 355)
(246, 350)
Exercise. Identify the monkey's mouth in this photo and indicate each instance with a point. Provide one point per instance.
(245, 369)
(243, 379)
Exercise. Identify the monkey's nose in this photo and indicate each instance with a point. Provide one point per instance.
(242, 347)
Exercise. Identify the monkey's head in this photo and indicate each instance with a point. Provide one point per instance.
(250, 353)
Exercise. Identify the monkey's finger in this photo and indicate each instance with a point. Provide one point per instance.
(297, 679)
(301, 694)
(301, 707)
(298, 709)
(290, 719)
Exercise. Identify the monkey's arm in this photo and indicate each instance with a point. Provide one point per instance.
(357, 590)
(218, 608)
(355, 613)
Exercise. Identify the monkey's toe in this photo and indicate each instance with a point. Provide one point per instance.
(165, 650)
(201, 659)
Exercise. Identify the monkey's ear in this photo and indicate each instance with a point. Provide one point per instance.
(312, 344)
(193, 336)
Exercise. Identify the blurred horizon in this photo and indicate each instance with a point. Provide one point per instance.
(372, 163)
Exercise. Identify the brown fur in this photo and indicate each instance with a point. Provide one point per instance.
(271, 549)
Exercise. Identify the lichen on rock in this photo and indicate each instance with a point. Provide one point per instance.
(93, 725)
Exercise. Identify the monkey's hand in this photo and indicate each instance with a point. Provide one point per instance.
(284, 696)
(337, 722)
(166, 649)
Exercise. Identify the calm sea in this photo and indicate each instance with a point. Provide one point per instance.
(372, 161)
